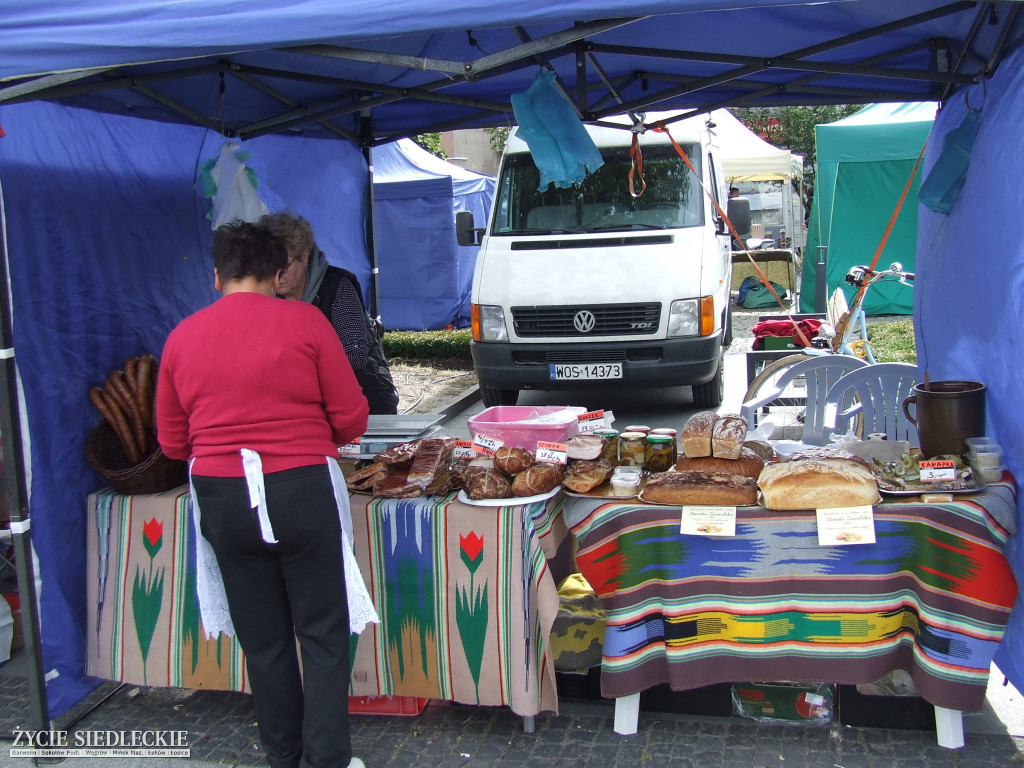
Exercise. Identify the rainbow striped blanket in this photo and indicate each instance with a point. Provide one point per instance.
(932, 596)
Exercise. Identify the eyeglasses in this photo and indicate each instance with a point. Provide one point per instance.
(289, 264)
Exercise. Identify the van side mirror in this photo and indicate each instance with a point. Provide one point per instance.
(465, 232)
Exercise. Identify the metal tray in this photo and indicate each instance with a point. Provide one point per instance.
(976, 484)
(407, 425)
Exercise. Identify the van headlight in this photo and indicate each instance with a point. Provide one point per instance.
(488, 323)
(684, 318)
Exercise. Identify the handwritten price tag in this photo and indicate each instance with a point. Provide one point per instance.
(349, 451)
(590, 421)
(846, 525)
(937, 470)
(551, 453)
(703, 520)
(488, 446)
(463, 450)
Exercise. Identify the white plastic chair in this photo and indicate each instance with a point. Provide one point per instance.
(820, 373)
(875, 392)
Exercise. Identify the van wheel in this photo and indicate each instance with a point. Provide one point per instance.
(492, 397)
(711, 394)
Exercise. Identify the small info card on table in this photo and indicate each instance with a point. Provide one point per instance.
(708, 521)
(846, 525)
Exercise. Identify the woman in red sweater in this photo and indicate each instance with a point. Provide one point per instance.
(258, 393)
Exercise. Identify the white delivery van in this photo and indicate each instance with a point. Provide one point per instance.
(592, 285)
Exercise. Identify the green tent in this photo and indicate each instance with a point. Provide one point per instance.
(864, 161)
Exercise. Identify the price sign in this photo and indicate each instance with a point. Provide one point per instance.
(703, 520)
(590, 421)
(552, 453)
(349, 451)
(488, 446)
(937, 470)
(846, 525)
(463, 450)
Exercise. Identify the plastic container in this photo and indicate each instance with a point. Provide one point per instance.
(524, 425)
(986, 456)
(990, 474)
(386, 705)
(975, 442)
(625, 480)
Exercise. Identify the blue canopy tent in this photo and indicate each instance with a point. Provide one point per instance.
(425, 276)
(167, 81)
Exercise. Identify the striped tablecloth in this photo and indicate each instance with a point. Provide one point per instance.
(466, 594)
(931, 597)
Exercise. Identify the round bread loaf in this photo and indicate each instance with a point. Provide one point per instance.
(748, 463)
(817, 484)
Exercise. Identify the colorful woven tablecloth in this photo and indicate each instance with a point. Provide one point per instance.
(932, 596)
(466, 600)
(467, 596)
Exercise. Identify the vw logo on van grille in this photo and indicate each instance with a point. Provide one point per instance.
(584, 321)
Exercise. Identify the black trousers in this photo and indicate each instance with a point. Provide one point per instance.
(277, 592)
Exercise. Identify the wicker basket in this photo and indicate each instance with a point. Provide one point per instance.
(154, 474)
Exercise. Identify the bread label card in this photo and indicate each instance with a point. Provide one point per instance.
(552, 453)
(937, 470)
(488, 446)
(701, 520)
(846, 525)
(590, 421)
(463, 450)
(349, 451)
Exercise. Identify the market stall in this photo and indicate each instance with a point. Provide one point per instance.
(466, 597)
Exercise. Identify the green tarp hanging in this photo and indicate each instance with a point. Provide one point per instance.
(863, 162)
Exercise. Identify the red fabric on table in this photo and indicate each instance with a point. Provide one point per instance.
(809, 327)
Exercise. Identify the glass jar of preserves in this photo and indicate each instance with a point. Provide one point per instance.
(658, 453)
(672, 433)
(637, 428)
(632, 450)
(611, 444)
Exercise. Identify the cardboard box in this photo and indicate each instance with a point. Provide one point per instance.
(785, 702)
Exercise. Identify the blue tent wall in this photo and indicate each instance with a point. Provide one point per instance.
(969, 291)
(108, 245)
(863, 163)
(425, 277)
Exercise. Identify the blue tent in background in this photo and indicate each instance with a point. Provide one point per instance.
(424, 277)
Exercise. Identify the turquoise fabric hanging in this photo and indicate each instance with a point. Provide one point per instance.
(939, 190)
(561, 147)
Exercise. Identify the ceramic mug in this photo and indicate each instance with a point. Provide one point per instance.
(946, 414)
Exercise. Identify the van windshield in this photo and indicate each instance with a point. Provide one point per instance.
(602, 202)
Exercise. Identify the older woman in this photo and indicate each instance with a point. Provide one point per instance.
(258, 393)
(336, 292)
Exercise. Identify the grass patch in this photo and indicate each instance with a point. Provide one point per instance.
(893, 341)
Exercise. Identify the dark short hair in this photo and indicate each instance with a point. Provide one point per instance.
(241, 248)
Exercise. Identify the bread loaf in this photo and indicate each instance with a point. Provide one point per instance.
(762, 448)
(748, 463)
(817, 484)
(695, 438)
(719, 489)
(727, 436)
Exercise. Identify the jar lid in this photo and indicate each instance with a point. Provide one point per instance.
(606, 432)
(632, 436)
(664, 431)
(659, 439)
(637, 428)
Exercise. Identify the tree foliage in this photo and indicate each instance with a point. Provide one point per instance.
(432, 143)
(497, 137)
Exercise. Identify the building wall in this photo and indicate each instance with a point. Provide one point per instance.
(471, 149)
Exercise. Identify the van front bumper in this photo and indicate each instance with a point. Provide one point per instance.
(656, 363)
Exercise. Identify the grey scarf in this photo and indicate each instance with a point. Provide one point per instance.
(315, 271)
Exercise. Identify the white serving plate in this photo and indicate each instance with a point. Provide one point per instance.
(511, 501)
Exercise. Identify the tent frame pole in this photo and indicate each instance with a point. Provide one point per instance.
(17, 485)
(366, 134)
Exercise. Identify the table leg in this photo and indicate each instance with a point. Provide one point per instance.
(529, 724)
(949, 727)
(627, 714)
